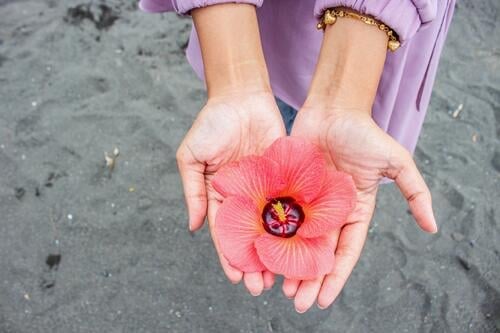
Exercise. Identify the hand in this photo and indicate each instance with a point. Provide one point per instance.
(353, 143)
(240, 118)
(227, 128)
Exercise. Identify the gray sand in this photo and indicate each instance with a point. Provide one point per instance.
(85, 251)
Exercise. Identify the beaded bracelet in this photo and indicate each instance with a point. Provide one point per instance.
(330, 17)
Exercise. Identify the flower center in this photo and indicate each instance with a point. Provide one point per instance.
(282, 216)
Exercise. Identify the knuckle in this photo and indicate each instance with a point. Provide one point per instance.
(179, 154)
(414, 196)
(407, 156)
(198, 196)
(404, 159)
(422, 195)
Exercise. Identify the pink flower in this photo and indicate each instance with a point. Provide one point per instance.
(279, 208)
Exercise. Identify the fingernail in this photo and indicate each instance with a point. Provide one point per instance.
(255, 294)
(435, 228)
(321, 307)
(434, 223)
(300, 311)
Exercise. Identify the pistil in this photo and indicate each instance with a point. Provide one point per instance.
(282, 217)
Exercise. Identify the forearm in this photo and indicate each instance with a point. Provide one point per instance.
(349, 66)
(231, 49)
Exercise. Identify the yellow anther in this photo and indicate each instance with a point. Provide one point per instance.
(278, 208)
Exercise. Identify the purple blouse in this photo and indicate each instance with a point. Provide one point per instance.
(291, 46)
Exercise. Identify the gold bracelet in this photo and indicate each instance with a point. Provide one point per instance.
(330, 17)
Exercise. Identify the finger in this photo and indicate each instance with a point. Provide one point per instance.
(351, 240)
(254, 283)
(307, 293)
(193, 183)
(413, 187)
(308, 290)
(268, 280)
(234, 275)
(290, 287)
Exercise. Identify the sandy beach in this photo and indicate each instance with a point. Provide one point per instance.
(83, 249)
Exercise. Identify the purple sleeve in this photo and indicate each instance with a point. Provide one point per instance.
(405, 17)
(184, 6)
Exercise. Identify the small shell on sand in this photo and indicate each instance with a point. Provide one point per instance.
(458, 110)
(111, 158)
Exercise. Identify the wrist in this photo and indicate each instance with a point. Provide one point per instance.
(349, 66)
(242, 77)
(331, 113)
(231, 49)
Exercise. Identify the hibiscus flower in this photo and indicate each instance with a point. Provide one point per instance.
(279, 208)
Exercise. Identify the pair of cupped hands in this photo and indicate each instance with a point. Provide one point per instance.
(235, 125)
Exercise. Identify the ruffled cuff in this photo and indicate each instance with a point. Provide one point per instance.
(405, 17)
(183, 7)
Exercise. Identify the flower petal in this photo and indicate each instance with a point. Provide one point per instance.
(296, 257)
(331, 208)
(237, 226)
(301, 164)
(253, 177)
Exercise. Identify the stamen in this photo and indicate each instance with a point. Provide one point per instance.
(278, 207)
(282, 216)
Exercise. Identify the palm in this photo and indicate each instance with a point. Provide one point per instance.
(225, 130)
(228, 129)
(354, 144)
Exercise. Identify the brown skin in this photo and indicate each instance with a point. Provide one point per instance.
(241, 118)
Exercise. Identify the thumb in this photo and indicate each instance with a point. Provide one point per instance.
(412, 186)
(192, 174)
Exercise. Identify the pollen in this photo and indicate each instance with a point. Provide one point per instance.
(280, 211)
(282, 216)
